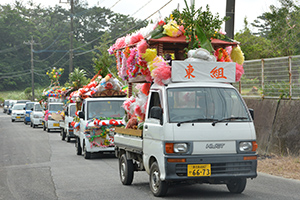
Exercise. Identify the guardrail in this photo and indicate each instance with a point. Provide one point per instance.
(271, 78)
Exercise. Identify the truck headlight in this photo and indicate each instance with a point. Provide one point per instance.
(176, 147)
(246, 146)
(180, 147)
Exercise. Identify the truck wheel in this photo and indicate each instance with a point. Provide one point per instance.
(30, 124)
(12, 120)
(237, 185)
(33, 126)
(68, 138)
(158, 187)
(86, 155)
(78, 147)
(44, 127)
(63, 134)
(126, 170)
(48, 130)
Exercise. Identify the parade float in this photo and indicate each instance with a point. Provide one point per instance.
(186, 123)
(145, 57)
(99, 111)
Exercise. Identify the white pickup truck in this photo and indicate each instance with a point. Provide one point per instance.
(196, 129)
(49, 123)
(98, 117)
(65, 125)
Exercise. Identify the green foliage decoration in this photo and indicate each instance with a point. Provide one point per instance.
(200, 26)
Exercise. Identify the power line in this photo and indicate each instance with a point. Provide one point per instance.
(13, 76)
(120, 34)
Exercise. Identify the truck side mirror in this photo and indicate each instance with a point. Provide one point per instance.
(81, 114)
(156, 113)
(31, 109)
(251, 113)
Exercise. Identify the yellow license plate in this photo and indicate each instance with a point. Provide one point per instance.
(55, 124)
(18, 117)
(199, 170)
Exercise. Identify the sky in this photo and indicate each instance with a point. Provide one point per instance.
(142, 9)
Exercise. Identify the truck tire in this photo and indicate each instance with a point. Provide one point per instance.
(44, 127)
(30, 124)
(68, 139)
(126, 170)
(86, 155)
(48, 130)
(158, 187)
(237, 185)
(78, 147)
(33, 126)
(63, 134)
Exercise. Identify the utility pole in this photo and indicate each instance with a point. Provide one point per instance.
(32, 67)
(71, 38)
(71, 33)
(230, 11)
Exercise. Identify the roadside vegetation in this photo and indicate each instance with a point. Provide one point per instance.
(283, 166)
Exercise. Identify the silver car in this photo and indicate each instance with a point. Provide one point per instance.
(18, 112)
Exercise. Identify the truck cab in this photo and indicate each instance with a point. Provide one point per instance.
(37, 115)
(28, 107)
(98, 117)
(49, 122)
(66, 127)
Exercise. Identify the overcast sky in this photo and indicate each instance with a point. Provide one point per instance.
(144, 8)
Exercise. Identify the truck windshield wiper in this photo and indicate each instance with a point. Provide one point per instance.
(227, 119)
(196, 120)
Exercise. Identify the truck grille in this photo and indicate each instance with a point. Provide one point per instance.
(229, 168)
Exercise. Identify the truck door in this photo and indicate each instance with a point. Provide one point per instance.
(153, 132)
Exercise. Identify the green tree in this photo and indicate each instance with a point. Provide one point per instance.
(78, 78)
(102, 60)
(281, 27)
(254, 47)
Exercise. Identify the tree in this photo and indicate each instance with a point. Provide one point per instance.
(254, 47)
(50, 28)
(77, 78)
(102, 60)
(281, 27)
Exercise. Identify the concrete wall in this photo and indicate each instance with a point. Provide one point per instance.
(277, 125)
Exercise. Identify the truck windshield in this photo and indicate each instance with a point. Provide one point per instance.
(72, 110)
(38, 107)
(105, 109)
(55, 107)
(29, 106)
(205, 105)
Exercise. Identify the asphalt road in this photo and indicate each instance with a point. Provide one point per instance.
(35, 164)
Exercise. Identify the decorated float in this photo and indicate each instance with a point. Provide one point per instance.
(99, 111)
(145, 57)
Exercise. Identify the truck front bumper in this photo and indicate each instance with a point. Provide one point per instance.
(53, 124)
(37, 121)
(223, 167)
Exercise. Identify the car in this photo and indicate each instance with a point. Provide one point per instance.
(18, 112)
(11, 104)
(37, 115)
(28, 110)
(6, 105)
